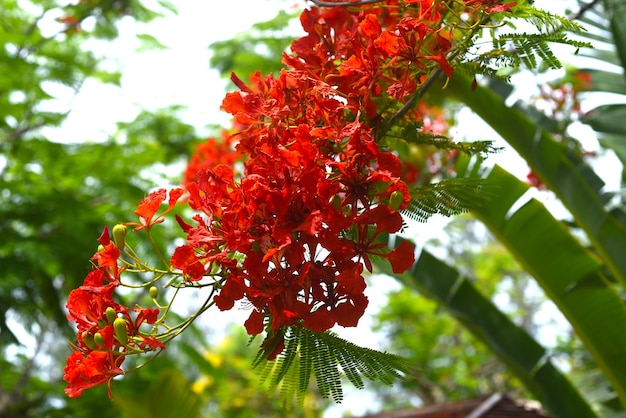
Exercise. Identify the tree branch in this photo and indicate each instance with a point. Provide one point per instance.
(415, 97)
(583, 9)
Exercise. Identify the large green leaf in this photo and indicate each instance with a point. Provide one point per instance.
(606, 81)
(570, 274)
(608, 119)
(524, 356)
(618, 17)
(564, 172)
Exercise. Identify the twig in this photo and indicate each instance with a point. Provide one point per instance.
(583, 9)
(415, 97)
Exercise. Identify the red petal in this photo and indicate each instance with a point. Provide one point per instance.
(349, 313)
(389, 162)
(402, 257)
(150, 204)
(239, 83)
(254, 324)
(319, 321)
(175, 194)
(370, 26)
(104, 238)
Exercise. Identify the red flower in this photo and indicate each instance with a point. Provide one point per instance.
(185, 259)
(84, 371)
(501, 8)
(151, 343)
(87, 305)
(148, 207)
(108, 256)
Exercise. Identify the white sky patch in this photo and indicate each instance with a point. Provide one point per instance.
(178, 75)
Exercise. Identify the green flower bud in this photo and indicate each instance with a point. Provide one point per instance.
(396, 199)
(336, 202)
(100, 248)
(88, 340)
(110, 314)
(154, 292)
(98, 339)
(120, 330)
(119, 236)
(102, 323)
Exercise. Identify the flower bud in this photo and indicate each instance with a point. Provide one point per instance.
(119, 236)
(110, 314)
(396, 199)
(88, 340)
(154, 292)
(120, 330)
(100, 248)
(98, 339)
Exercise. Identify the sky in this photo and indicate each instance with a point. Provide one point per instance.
(179, 75)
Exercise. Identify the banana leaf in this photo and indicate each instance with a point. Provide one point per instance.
(561, 170)
(515, 347)
(570, 274)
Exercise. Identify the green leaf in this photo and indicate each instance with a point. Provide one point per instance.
(606, 81)
(569, 273)
(607, 119)
(447, 198)
(525, 357)
(149, 43)
(170, 396)
(564, 172)
(168, 6)
(327, 357)
(618, 17)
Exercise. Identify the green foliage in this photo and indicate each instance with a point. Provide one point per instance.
(167, 396)
(609, 46)
(230, 388)
(327, 358)
(401, 138)
(524, 356)
(55, 198)
(446, 197)
(259, 49)
(452, 364)
(511, 51)
(515, 49)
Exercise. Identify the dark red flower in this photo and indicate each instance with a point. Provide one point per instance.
(185, 259)
(84, 371)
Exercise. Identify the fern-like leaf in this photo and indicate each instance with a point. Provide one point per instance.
(410, 135)
(529, 48)
(447, 197)
(328, 358)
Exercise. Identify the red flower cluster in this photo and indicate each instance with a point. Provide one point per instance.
(107, 330)
(372, 54)
(291, 232)
(318, 193)
(314, 197)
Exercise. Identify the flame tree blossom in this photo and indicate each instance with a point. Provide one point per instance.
(291, 204)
